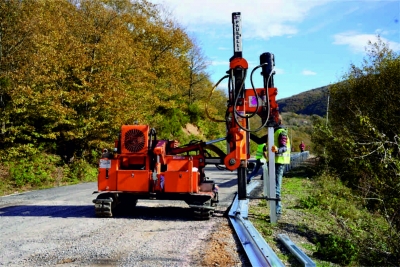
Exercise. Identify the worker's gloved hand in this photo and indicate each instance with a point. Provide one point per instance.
(274, 149)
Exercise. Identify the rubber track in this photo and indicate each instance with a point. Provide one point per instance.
(103, 208)
(202, 214)
(206, 212)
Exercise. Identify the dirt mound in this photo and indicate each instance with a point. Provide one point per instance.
(191, 129)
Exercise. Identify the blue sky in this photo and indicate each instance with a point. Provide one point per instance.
(314, 41)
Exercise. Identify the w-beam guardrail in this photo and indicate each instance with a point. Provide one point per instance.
(296, 159)
(257, 249)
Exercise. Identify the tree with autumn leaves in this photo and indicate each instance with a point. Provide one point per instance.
(73, 71)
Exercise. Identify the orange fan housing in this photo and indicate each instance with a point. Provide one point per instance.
(134, 139)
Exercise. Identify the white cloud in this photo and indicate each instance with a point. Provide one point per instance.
(308, 72)
(260, 18)
(385, 32)
(357, 41)
(279, 71)
(219, 63)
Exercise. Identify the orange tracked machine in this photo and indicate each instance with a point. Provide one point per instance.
(146, 168)
(142, 167)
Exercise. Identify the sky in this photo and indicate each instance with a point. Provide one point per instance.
(313, 41)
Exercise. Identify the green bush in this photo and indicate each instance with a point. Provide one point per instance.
(309, 202)
(375, 239)
(195, 113)
(80, 171)
(37, 170)
(336, 249)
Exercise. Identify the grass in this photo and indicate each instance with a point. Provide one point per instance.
(21, 178)
(324, 219)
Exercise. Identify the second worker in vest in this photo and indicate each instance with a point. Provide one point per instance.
(281, 148)
(261, 158)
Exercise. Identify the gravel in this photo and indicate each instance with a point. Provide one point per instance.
(57, 227)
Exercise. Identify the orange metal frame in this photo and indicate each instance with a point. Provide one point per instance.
(131, 172)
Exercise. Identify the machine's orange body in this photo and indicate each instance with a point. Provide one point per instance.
(179, 177)
(146, 168)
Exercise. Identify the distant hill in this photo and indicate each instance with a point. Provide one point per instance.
(312, 102)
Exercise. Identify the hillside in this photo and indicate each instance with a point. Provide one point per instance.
(307, 103)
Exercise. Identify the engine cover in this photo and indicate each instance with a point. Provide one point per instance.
(134, 139)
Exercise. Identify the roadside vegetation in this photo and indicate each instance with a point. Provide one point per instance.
(73, 71)
(347, 206)
(326, 220)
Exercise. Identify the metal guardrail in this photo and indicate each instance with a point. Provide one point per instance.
(295, 250)
(258, 251)
(296, 159)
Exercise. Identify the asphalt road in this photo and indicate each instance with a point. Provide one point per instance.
(57, 227)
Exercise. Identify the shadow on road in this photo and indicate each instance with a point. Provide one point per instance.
(59, 211)
(162, 213)
(229, 183)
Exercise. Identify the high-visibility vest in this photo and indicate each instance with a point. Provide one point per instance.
(260, 151)
(283, 158)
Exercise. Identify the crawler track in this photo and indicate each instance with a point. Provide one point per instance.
(202, 212)
(103, 207)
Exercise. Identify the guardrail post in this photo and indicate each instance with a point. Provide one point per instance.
(272, 175)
